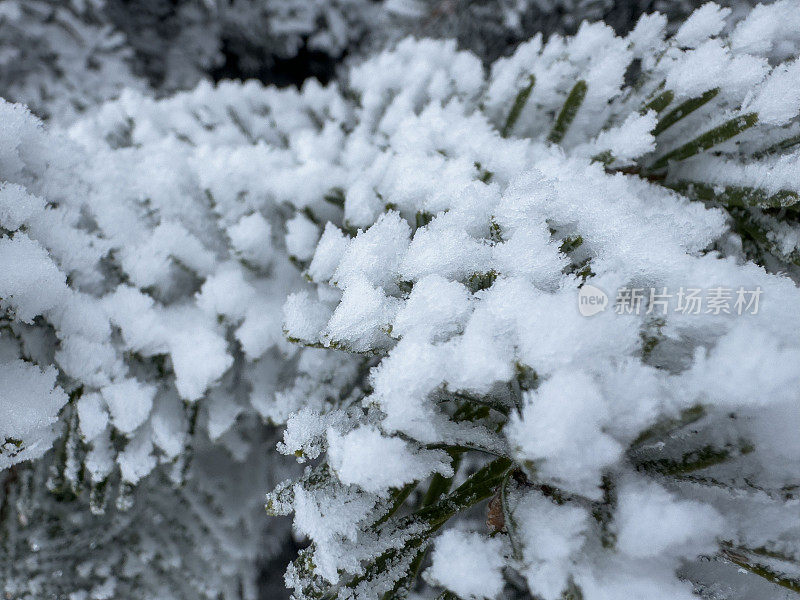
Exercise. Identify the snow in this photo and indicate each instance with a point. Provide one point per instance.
(301, 237)
(445, 248)
(29, 406)
(361, 320)
(652, 522)
(324, 518)
(303, 317)
(137, 459)
(778, 99)
(305, 432)
(199, 357)
(706, 21)
(631, 139)
(648, 34)
(374, 255)
(376, 463)
(129, 403)
(561, 429)
(459, 286)
(92, 415)
(436, 309)
(227, 292)
(724, 376)
(767, 29)
(222, 413)
(467, 564)
(184, 267)
(168, 424)
(402, 381)
(30, 283)
(328, 254)
(251, 238)
(699, 69)
(17, 206)
(551, 535)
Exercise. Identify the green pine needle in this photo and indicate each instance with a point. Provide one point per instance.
(571, 106)
(516, 108)
(684, 109)
(778, 147)
(709, 139)
(660, 102)
(734, 195)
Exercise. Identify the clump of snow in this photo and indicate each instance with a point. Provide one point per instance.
(17, 206)
(251, 238)
(561, 431)
(30, 283)
(301, 237)
(776, 102)
(29, 405)
(551, 535)
(129, 403)
(706, 21)
(92, 415)
(468, 564)
(360, 322)
(376, 463)
(652, 522)
(328, 254)
(374, 255)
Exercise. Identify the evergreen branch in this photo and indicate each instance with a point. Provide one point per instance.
(467, 400)
(278, 501)
(335, 196)
(422, 218)
(479, 486)
(440, 484)
(573, 591)
(333, 345)
(404, 584)
(464, 447)
(238, 121)
(603, 512)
